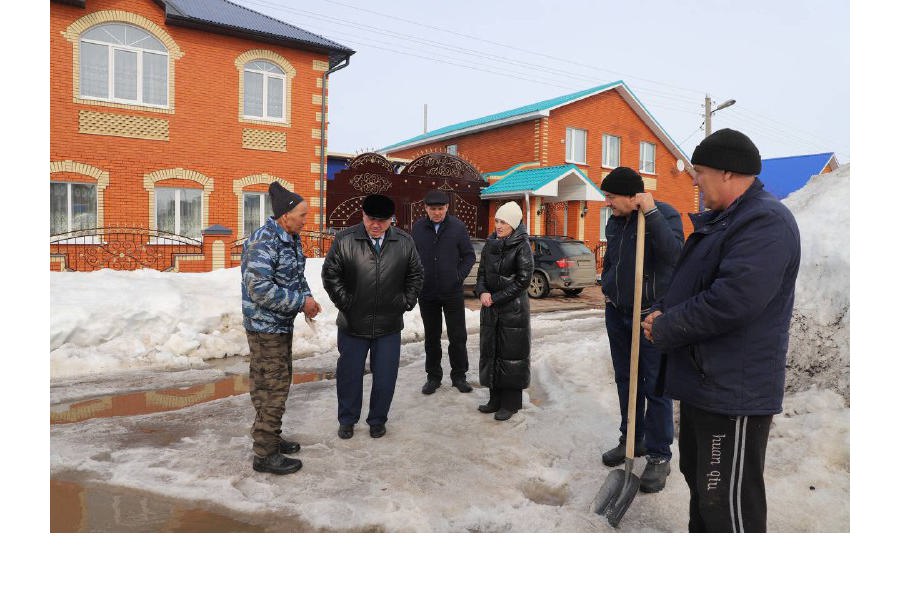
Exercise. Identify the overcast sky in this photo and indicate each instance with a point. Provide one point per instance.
(787, 64)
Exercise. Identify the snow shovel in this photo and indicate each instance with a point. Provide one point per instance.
(621, 486)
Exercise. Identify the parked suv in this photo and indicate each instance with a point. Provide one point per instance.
(469, 282)
(559, 263)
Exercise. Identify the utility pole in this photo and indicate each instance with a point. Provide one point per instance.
(425, 122)
(708, 112)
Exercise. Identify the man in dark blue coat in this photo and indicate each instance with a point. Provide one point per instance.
(724, 325)
(654, 427)
(447, 256)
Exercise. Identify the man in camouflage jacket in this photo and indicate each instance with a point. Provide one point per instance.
(273, 291)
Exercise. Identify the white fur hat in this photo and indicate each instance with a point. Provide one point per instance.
(511, 213)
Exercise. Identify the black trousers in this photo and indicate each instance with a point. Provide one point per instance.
(722, 460)
(454, 313)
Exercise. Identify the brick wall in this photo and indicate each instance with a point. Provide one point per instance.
(202, 131)
(544, 140)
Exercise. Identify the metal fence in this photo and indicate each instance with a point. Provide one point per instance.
(120, 248)
(315, 244)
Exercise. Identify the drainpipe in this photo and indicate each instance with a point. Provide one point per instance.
(527, 214)
(322, 158)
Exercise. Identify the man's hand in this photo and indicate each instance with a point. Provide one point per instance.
(311, 308)
(647, 324)
(644, 202)
(486, 299)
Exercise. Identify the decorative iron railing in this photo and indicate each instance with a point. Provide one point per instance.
(315, 244)
(120, 248)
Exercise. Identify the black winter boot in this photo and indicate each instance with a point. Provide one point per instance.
(616, 456)
(278, 464)
(653, 479)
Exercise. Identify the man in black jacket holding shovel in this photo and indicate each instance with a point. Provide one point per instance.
(724, 326)
(654, 428)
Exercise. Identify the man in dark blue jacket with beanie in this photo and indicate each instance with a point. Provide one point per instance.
(654, 428)
(447, 256)
(724, 325)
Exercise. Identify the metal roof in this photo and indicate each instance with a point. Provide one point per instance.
(785, 175)
(228, 18)
(540, 109)
(540, 181)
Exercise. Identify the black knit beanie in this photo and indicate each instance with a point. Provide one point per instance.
(728, 150)
(378, 206)
(283, 200)
(622, 181)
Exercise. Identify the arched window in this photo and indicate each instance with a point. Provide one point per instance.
(123, 63)
(264, 91)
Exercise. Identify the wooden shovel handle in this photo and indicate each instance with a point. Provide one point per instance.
(635, 335)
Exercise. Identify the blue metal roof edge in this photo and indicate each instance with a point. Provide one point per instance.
(513, 112)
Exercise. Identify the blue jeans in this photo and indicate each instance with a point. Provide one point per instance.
(384, 361)
(653, 414)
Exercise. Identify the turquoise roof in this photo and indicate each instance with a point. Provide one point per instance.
(529, 180)
(500, 116)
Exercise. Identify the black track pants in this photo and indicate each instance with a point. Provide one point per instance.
(722, 460)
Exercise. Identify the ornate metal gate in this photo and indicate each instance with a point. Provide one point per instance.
(372, 173)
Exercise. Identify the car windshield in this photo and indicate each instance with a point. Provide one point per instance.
(574, 248)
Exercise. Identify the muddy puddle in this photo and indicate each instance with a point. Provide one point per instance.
(153, 401)
(77, 508)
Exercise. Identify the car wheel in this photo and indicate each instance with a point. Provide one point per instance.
(539, 287)
(571, 293)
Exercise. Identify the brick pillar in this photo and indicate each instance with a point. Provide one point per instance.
(217, 242)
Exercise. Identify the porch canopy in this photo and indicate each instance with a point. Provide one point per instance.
(561, 183)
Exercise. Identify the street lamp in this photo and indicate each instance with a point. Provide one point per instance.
(710, 111)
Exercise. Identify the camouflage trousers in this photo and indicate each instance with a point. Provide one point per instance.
(270, 381)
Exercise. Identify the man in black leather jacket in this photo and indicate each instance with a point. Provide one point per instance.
(373, 274)
(664, 236)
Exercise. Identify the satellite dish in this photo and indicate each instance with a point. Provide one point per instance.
(679, 164)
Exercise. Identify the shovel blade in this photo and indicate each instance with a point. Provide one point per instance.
(616, 510)
(609, 491)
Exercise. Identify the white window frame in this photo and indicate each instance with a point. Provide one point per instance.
(266, 75)
(69, 224)
(111, 49)
(178, 199)
(453, 149)
(263, 215)
(605, 214)
(607, 140)
(570, 146)
(648, 165)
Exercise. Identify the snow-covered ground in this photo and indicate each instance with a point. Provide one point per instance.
(442, 467)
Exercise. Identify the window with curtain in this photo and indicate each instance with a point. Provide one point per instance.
(648, 157)
(73, 206)
(264, 91)
(179, 211)
(453, 149)
(611, 145)
(123, 63)
(576, 145)
(257, 208)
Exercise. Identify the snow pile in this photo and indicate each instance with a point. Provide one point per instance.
(108, 321)
(819, 350)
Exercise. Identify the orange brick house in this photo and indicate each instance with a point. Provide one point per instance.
(551, 156)
(168, 121)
